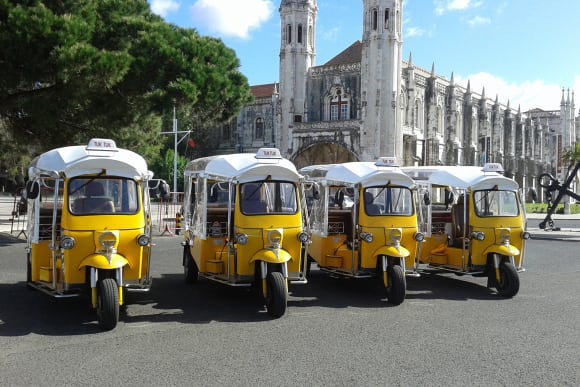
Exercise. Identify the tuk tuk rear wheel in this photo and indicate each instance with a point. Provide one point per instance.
(277, 298)
(107, 303)
(509, 281)
(396, 287)
(190, 269)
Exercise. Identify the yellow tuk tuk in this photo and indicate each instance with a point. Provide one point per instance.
(475, 223)
(89, 225)
(244, 224)
(363, 222)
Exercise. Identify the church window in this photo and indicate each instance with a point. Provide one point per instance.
(298, 118)
(386, 19)
(299, 37)
(374, 20)
(289, 33)
(339, 107)
(259, 131)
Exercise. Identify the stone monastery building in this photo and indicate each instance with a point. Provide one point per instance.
(368, 102)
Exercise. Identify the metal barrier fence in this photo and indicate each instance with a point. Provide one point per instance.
(169, 214)
(13, 218)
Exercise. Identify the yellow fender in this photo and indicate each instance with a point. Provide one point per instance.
(509, 250)
(99, 261)
(392, 251)
(270, 256)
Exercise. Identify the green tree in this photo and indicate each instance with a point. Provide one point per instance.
(72, 70)
(572, 156)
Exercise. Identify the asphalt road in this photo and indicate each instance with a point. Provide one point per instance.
(450, 331)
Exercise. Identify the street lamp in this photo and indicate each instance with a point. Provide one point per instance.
(175, 132)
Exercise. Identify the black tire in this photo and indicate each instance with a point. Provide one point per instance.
(277, 299)
(509, 283)
(190, 270)
(29, 267)
(396, 288)
(107, 303)
(308, 265)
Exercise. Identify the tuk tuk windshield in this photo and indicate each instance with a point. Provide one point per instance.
(268, 197)
(103, 195)
(388, 201)
(490, 203)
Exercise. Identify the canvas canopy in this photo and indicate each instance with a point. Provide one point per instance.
(98, 156)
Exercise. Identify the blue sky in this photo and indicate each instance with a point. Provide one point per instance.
(524, 51)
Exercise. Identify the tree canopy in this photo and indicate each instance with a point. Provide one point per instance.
(71, 70)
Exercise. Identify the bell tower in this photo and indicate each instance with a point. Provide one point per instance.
(381, 62)
(297, 56)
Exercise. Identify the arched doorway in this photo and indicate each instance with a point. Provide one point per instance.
(323, 153)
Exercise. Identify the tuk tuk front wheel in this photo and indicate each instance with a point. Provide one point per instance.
(395, 288)
(190, 269)
(509, 281)
(108, 303)
(277, 298)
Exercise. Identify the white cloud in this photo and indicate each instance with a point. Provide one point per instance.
(444, 6)
(231, 17)
(527, 95)
(412, 32)
(478, 21)
(331, 34)
(164, 7)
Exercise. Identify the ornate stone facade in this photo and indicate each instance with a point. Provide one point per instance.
(367, 102)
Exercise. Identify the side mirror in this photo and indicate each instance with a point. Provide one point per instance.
(449, 197)
(32, 189)
(164, 190)
(426, 198)
(339, 199)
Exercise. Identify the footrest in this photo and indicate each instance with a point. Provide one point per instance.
(333, 260)
(439, 258)
(214, 266)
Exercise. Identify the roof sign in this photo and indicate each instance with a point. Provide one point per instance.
(387, 162)
(492, 167)
(268, 153)
(102, 144)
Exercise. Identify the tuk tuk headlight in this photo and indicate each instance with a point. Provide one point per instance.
(67, 242)
(108, 240)
(419, 237)
(504, 236)
(478, 236)
(526, 235)
(143, 240)
(241, 239)
(275, 237)
(367, 237)
(303, 237)
(395, 234)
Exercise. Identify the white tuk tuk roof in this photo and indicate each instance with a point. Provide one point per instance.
(98, 155)
(463, 177)
(358, 172)
(245, 167)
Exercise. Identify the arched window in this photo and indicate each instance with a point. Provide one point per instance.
(338, 106)
(386, 19)
(374, 19)
(289, 33)
(259, 130)
(299, 37)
